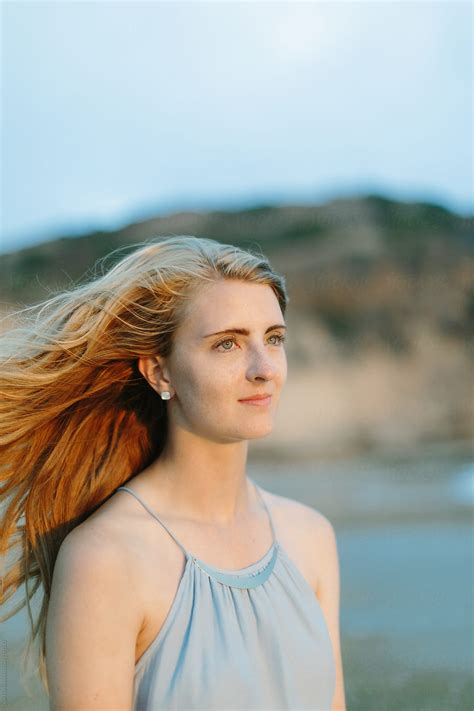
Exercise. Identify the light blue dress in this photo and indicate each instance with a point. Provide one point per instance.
(252, 638)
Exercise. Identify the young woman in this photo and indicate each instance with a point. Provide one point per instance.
(178, 582)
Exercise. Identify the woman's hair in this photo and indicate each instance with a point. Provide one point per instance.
(77, 418)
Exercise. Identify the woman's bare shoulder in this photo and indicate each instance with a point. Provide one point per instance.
(112, 529)
(304, 533)
(295, 511)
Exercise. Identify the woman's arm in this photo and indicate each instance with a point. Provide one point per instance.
(92, 626)
(328, 594)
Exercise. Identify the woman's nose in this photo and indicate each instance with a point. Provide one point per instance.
(262, 366)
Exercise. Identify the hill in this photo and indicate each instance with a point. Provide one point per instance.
(380, 315)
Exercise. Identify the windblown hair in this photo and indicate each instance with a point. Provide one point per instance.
(77, 418)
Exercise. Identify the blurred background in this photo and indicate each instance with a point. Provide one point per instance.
(337, 139)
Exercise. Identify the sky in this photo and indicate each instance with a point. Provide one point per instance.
(116, 111)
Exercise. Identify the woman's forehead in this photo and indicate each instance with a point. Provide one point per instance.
(227, 304)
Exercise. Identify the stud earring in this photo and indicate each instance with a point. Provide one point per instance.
(165, 395)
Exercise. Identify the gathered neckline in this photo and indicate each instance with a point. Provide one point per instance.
(252, 576)
(266, 564)
(249, 576)
(235, 571)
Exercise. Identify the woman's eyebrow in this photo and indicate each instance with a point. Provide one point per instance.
(243, 331)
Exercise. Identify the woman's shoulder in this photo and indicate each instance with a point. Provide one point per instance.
(295, 511)
(305, 533)
(115, 528)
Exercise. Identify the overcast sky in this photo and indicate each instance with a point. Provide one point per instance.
(114, 110)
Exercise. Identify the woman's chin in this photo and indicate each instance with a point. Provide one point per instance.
(259, 431)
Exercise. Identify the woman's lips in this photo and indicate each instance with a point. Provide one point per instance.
(260, 402)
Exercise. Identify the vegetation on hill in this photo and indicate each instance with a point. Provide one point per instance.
(365, 276)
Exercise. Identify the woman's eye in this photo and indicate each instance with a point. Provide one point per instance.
(228, 340)
(280, 338)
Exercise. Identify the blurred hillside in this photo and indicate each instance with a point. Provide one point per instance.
(380, 315)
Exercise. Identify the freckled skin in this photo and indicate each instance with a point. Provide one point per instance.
(208, 379)
(200, 474)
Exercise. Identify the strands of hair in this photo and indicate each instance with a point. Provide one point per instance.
(77, 419)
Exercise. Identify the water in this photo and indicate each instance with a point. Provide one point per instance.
(411, 585)
(462, 485)
(404, 532)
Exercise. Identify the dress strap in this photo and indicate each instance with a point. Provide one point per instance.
(125, 488)
(186, 552)
(257, 488)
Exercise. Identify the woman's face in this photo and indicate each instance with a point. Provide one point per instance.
(210, 373)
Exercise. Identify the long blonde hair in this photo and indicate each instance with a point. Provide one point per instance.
(77, 419)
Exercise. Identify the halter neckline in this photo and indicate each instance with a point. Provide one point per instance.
(250, 575)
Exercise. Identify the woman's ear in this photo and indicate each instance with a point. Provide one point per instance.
(151, 369)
